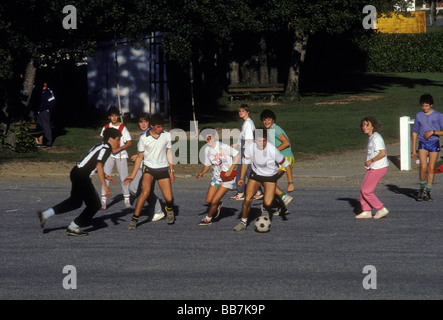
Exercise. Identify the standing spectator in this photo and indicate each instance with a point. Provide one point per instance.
(47, 105)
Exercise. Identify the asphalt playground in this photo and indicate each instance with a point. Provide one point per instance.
(319, 251)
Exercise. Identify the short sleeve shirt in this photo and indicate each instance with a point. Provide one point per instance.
(219, 158)
(375, 144)
(126, 136)
(154, 149)
(264, 162)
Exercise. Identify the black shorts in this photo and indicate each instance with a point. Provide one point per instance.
(262, 179)
(158, 173)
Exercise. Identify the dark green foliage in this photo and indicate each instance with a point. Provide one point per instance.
(404, 52)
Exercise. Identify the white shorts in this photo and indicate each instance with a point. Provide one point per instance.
(226, 184)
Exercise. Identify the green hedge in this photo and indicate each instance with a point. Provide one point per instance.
(421, 52)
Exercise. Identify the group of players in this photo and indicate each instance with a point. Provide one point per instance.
(154, 163)
(265, 156)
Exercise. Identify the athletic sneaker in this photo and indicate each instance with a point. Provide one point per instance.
(238, 196)
(169, 216)
(364, 215)
(264, 212)
(240, 227)
(259, 195)
(381, 213)
(427, 196)
(283, 211)
(287, 200)
(103, 203)
(132, 225)
(205, 222)
(158, 216)
(421, 193)
(127, 203)
(217, 212)
(75, 232)
(41, 219)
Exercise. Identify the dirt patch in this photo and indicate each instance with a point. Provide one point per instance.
(61, 169)
(350, 99)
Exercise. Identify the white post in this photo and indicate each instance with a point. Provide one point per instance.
(405, 143)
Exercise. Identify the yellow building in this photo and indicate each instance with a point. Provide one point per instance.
(412, 22)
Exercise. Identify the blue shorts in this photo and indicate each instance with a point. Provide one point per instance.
(431, 146)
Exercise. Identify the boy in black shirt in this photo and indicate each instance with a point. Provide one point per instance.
(82, 188)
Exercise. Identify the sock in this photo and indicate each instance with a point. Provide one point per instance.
(73, 225)
(422, 184)
(428, 187)
(282, 195)
(168, 208)
(244, 220)
(134, 218)
(208, 218)
(48, 213)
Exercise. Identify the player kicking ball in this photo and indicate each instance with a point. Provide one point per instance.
(265, 160)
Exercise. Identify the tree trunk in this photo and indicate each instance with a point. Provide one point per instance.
(263, 62)
(234, 73)
(433, 12)
(28, 83)
(292, 91)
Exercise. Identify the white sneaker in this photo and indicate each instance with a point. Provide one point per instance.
(103, 203)
(381, 213)
(364, 215)
(158, 216)
(127, 203)
(287, 200)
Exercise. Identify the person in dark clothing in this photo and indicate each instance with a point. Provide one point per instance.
(82, 188)
(47, 105)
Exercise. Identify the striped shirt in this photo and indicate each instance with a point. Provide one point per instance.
(98, 153)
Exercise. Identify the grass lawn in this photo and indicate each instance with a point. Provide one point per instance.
(325, 120)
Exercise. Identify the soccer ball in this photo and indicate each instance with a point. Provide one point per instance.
(262, 224)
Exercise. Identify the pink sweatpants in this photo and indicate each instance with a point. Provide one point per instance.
(368, 199)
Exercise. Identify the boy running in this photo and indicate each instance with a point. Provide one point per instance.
(136, 185)
(154, 149)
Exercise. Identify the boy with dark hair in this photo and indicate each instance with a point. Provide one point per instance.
(136, 185)
(82, 188)
(428, 127)
(154, 151)
(120, 157)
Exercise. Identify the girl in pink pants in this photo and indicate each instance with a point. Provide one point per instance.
(377, 166)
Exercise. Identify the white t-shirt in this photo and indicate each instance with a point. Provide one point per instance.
(219, 158)
(265, 162)
(126, 136)
(375, 144)
(247, 133)
(155, 149)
